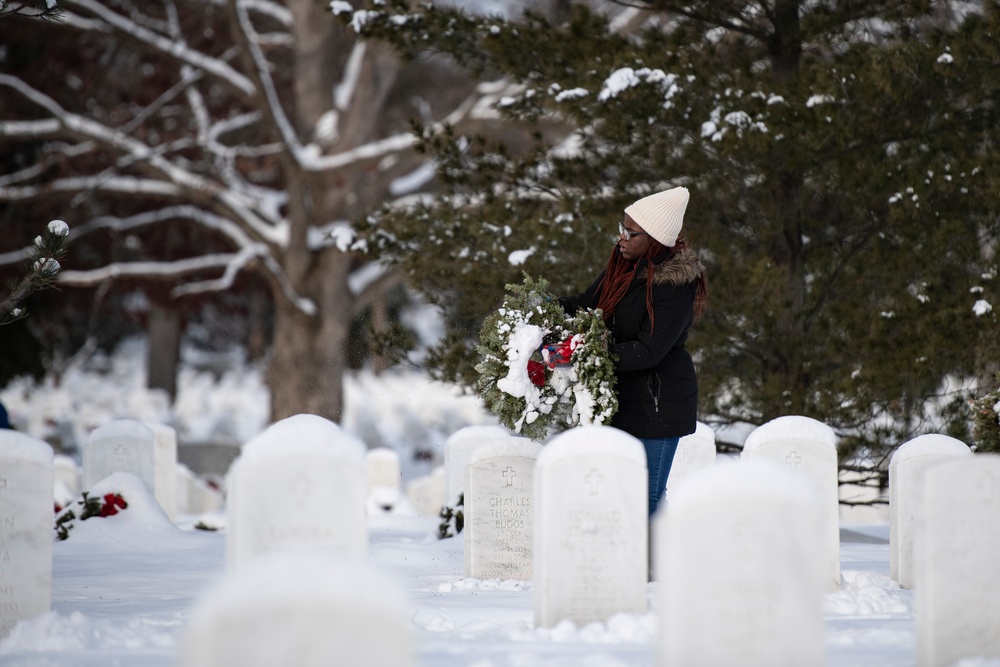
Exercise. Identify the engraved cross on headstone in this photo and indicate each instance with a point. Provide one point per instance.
(509, 474)
(793, 459)
(684, 453)
(3, 485)
(595, 479)
(120, 453)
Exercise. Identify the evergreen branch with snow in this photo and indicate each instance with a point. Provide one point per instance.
(37, 9)
(43, 267)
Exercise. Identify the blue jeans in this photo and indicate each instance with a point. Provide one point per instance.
(659, 458)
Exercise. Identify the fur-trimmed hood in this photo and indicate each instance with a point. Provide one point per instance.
(680, 268)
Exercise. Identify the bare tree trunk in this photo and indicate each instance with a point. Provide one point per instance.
(308, 355)
(164, 333)
(257, 336)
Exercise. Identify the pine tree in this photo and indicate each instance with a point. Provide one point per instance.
(842, 163)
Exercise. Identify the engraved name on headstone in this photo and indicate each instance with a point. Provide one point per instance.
(498, 509)
(590, 527)
(298, 487)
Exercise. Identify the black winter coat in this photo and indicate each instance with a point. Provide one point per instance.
(657, 385)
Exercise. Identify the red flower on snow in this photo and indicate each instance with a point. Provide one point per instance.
(112, 503)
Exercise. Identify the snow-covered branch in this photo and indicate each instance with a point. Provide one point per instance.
(29, 129)
(43, 257)
(225, 281)
(471, 107)
(109, 184)
(204, 218)
(273, 231)
(232, 263)
(260, 73)
(151, 269)
(217, 68)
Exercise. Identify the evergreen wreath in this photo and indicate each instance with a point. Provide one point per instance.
(529, 397)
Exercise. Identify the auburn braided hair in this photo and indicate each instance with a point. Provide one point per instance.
(620, 272)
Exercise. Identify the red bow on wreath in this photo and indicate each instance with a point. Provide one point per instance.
(558, 354)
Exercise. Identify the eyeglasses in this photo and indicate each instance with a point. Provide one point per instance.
(627, 234)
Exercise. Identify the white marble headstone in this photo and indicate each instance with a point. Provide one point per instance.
(165, 465)
(590, 527)
(204, 496)
(185, 478)
(807, 448)
(957, 586)
(26, 516)
(67, 473)
(292, 609)
(426, 494)
(907, 467)
(957, 572)
(123, 445)
(498, 509)
(741, 570)
(694, 452)
(457, 449)
(298, 487)
(383, 468)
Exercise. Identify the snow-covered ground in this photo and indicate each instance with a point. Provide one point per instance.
(124, 587)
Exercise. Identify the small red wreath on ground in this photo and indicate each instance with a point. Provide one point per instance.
(87, 507)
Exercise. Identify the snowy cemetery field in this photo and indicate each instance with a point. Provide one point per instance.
(124, 588)
(127, 589)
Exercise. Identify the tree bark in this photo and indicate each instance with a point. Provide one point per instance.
(308, 355)
(164, 333)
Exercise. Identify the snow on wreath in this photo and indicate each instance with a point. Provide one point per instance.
(541, 369)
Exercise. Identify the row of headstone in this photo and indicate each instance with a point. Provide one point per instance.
(744, 551)
(145, 450)
(754, 533)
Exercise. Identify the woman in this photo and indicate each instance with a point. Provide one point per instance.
(651, 292)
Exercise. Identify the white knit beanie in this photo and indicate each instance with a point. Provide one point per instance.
(661, 215)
